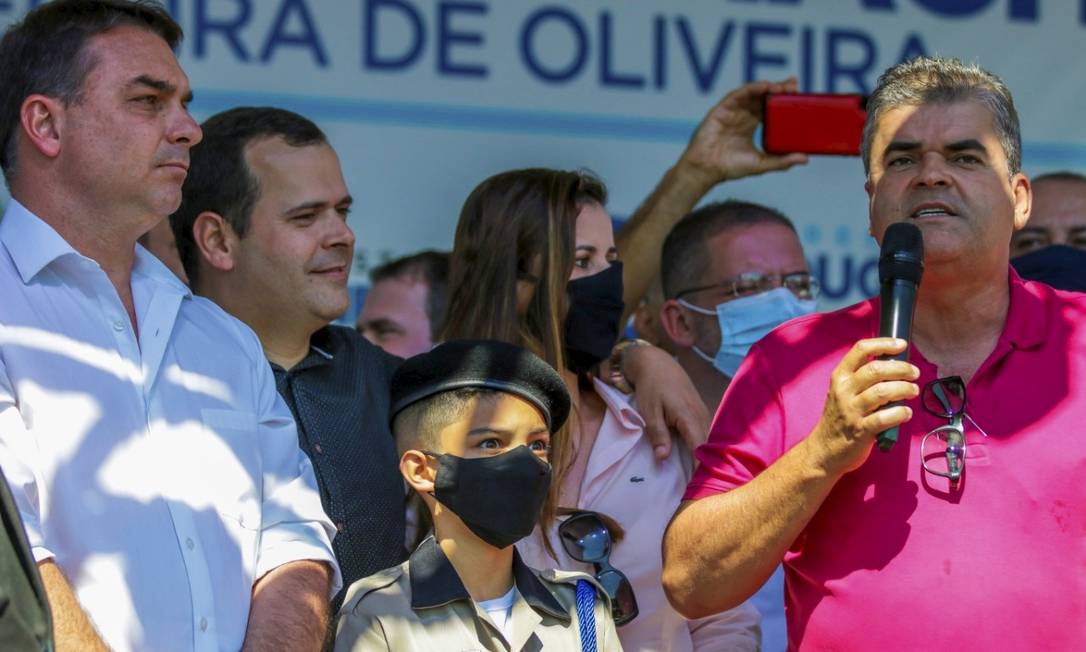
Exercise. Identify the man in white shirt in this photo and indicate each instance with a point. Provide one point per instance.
(154, 466)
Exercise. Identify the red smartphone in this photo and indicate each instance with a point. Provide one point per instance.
(813, 123)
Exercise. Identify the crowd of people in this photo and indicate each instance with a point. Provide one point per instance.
(195, 456)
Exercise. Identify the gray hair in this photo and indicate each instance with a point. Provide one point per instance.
(930, 80)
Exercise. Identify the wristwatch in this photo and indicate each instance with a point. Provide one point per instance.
(616, 374)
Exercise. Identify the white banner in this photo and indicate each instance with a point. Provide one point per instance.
(424, 98)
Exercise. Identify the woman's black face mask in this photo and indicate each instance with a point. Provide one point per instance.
(595, 309)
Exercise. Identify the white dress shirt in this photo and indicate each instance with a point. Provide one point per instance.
(161, 471)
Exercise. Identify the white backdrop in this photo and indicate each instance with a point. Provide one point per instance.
(424, 98)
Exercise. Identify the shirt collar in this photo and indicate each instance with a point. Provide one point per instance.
(320, 353)
(434, 582)
(34, 245)
(621, 406)
(31, 243)
(149, 266)
(1027, 315)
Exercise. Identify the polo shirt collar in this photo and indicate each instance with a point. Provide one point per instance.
(434, 582)
(1027, 314)
(321, 352)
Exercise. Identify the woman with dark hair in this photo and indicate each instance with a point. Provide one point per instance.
(534, 263)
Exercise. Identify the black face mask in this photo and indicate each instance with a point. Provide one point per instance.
(595, 308)
(1060, 266)
(498, 497)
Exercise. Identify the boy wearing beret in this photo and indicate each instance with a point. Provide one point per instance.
(472, 421)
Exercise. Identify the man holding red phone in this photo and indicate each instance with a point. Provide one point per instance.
(888, 551)
(721, 149)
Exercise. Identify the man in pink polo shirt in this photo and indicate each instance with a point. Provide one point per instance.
(880, 553)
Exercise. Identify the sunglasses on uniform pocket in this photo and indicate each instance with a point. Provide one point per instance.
(587, 539)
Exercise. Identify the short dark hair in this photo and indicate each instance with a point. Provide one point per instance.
(419, 425)
(1061, 175)
(685, 257)
(45, 53)
(430, 267)
(220, 181)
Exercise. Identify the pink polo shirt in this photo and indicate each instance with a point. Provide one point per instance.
(892, 560)
(624, 480)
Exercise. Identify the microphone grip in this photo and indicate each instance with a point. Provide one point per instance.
(898, 298)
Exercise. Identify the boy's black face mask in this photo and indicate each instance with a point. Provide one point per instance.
(595, 308)
(499, 497)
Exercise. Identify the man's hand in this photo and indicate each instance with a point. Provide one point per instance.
(860, 387)
(723, 146)
(720, 549)
(666, 399)
(721, 149)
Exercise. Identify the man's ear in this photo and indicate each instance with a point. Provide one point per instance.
(416, 471)
(216, 241)
(676, 323)
(869, 188)
(1022, 195)
(42, 119)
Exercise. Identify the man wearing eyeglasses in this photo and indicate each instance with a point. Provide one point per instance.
(968, 533)
(731, 271)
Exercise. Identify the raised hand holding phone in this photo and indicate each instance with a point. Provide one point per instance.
(813, 123)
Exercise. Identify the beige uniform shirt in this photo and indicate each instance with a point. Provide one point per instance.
(422, 605)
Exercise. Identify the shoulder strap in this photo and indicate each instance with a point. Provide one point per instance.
(586, 615)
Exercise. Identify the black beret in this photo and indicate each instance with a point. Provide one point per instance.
(489, 364)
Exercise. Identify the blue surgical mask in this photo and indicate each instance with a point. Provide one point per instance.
(746, 320)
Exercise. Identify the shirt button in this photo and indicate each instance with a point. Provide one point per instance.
(118, 325)
(203, 624)
(317, 449)
(189, 543)
(341, 527)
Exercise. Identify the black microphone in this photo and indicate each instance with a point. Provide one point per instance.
(901, 264)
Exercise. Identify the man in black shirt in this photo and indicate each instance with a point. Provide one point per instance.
(262, 231)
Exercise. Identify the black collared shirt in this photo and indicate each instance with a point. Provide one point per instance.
(339, 397)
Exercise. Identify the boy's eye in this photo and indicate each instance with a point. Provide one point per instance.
(539, 445)
(490, 444)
